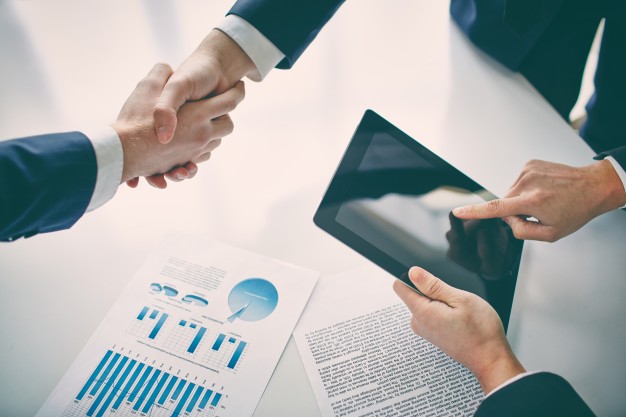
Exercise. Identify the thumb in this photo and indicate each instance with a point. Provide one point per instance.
(175, 93)
(431, 286)
(495, 208)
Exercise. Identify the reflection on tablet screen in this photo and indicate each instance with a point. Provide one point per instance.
(393, 203)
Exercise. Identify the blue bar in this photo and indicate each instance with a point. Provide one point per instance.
(93, 376)
(156, 391)
(107, 386)
(116, 388)
(196, 340)
(129, 384)
(218, 342)
(194, 399)
(179, 388)
(105, 374)
(168, 389)
(154, 314)
(236, 355)
(183, 400)
(216, 399)
(192, 325)
(205, 399)
(143, 313)
(146, 390)
(182, 323)
(142, 380)
(232, 340)
(158, 326)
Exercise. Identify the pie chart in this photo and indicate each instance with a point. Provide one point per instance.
(252, 299)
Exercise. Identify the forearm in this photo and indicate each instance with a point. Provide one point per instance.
(230, 57)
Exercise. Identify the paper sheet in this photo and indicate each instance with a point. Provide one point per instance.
(197, 332)
(362, 358)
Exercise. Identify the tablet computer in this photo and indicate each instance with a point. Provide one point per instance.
(391, 200)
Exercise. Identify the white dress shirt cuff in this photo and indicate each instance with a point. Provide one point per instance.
(110, 159)
(620, 172)
(261, 50)
(510, 381)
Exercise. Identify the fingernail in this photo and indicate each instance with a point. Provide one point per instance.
(193, 170)
(459, 210)
(163, 134)
(180, 176)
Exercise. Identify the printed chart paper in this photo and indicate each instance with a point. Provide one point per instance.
(197, 332)
(362, 358)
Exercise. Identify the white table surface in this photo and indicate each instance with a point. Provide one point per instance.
(67, 64)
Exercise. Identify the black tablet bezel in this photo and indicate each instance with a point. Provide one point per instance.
(326, 214)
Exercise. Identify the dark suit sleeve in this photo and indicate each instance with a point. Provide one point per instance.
(291, 25)
(619, 154)
(535, 395)
(46, 183)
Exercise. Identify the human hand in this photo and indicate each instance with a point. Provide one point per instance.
(214, 67)
(562, 198)
(486, 247)
(461, 324)
(202, 125)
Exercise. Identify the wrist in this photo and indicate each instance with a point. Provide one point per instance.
(131, 148)
(493, 373)
(610, 186)
(233, 61)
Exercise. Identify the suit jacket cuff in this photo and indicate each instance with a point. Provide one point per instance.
(539, 394)
(510, 381)
(617, 158)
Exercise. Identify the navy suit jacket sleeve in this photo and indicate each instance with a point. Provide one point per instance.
(46, 183)
(619, 154)
(536, 395)
(290, 25)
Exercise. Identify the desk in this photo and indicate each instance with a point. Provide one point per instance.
(68, 63)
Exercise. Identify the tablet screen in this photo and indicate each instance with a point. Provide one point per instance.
(391, 200)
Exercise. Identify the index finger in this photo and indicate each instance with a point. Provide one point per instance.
(503, 207)
(224, 103)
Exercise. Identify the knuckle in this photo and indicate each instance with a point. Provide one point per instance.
(533, 163)
(147, 83)
(519, 232)
(433, 287)
(205, 134)
(211, 145)
(229, 104)
(181, 83)
(229, 126)
(162, 67)
(535, 199)
(494, 207)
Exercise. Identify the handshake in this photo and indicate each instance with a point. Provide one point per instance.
(174, 120)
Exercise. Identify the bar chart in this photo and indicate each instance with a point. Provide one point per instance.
(185, 337)
(188, 338)
(225, 352)
(121, 385)
(148, 323)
